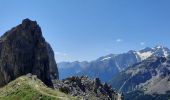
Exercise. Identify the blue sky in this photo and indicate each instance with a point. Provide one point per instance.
(88, 29)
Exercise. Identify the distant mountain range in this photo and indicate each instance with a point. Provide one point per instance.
(107, 66)
(67, 69)
(151, 75)
(147, 80)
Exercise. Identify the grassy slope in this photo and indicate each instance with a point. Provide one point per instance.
(30, 88)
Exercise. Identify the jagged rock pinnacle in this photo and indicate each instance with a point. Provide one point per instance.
(24, 50)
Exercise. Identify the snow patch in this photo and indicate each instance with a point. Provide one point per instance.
(137, 56)
(165, 53)
(117, 66)
(144, 55)
(105, 58)
(158, 47)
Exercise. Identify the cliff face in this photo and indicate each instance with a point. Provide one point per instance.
(24, 50)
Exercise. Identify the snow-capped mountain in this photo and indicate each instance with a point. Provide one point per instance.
(107, 66)
(158, 51)
(150, 76)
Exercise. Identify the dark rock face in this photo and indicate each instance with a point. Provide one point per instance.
(24, 50)
(87, 88)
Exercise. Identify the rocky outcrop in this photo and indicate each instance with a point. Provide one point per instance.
(24, 50)
(87, 88)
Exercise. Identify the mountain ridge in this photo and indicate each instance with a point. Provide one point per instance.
(112, 63)
(145, 76)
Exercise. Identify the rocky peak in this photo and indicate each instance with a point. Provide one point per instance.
(158, 51)
(161, 51)
(159, 46)
(24, 50)
(27, 23)
(147, 49)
